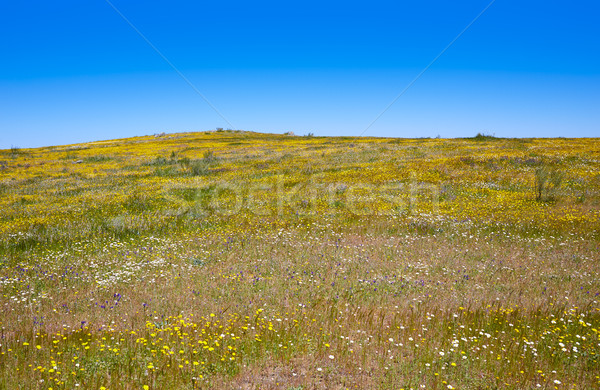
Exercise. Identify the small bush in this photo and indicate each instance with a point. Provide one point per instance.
(547, 183)
(14, 151)
(166, 172)
(198, 168)
(484, 137)
(70, 156)
(99, 158)
(184, 162)
(209, 156)
(161, 161)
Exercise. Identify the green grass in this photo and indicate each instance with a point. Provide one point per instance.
(242, 260)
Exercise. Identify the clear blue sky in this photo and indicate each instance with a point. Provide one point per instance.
(75, 71)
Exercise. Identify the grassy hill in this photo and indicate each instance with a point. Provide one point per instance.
(244, 260)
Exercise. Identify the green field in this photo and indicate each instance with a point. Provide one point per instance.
(236, 260)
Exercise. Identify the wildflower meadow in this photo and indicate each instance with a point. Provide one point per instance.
(240, 260)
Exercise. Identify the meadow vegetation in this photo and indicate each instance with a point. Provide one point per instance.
(233, 259)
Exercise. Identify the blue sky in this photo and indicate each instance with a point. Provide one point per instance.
(75, 71)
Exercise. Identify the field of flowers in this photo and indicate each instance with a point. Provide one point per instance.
(240, 260)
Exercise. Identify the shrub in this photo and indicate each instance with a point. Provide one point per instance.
(70, 156)
(198, 168)
(209, 156)
(547, 183)
(184, 162)
(159, 161)
(484, 137)
(98, 158)
(14, 151)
